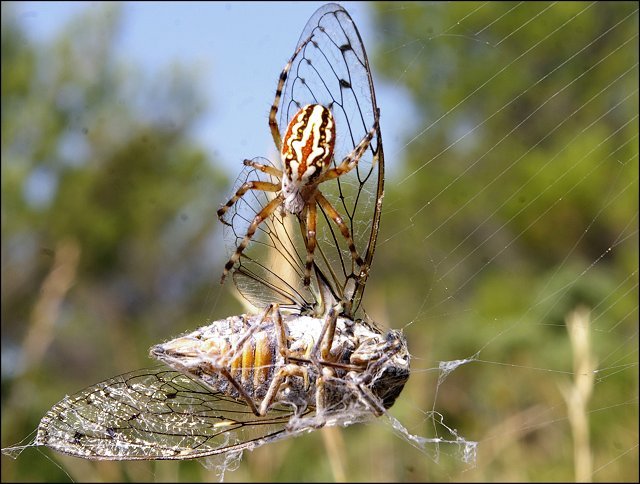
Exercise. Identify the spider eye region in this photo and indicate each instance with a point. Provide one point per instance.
(307, 150)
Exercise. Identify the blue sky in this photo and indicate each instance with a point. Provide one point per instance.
(238, 47)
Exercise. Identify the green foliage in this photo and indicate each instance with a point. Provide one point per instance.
(518, 201)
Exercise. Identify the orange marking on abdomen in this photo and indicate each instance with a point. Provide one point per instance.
(247, 360)
(263, 359)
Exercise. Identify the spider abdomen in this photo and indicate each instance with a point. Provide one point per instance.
(307, 150)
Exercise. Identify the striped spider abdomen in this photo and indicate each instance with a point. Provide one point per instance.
(307, 151)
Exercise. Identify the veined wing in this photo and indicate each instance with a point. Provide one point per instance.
(271, 268)
(156, 413)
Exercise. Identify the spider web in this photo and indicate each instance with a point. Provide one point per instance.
(527, 228)
(518, 130)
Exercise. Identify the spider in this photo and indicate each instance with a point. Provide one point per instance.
(306, 151)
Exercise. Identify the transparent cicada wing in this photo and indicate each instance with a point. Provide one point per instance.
(156, 414)
(271, 268)
(329, 67)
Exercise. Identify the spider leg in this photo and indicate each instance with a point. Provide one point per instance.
(273, 123)
(281, 333)
(335, 216)
(370, 400)
(311, 240)
(250, 185)
(327, 334)
(351, 160)
(259, 218)
(288, 369)
(322, 348)
(269, 170)
(291, 369)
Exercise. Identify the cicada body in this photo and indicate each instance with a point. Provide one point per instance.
(272, 358)
(233, 385)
